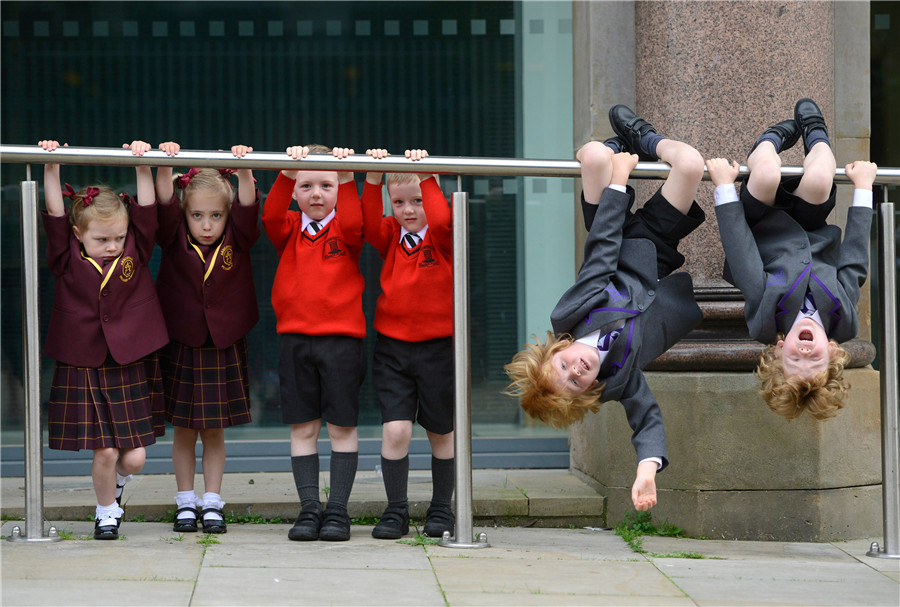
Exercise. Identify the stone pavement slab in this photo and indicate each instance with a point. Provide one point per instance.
(258, 565)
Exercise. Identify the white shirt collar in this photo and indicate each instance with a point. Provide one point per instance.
(322, 222)
(420, 233)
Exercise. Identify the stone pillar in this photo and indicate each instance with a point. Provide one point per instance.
(715, 74)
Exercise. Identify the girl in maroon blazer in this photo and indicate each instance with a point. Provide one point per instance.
(105, 328)
(205, 286)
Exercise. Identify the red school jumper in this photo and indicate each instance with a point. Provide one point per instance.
(318, 286)
(416, 303)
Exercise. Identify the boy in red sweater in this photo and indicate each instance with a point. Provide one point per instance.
(317, 298)
(413, 364)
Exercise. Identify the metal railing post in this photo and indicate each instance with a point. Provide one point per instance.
(462, 436)
(890, 450)
(34, 472)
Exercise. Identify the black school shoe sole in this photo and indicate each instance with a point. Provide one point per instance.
(106, 532)
(309, 521)
(186, 525)
(808, 117)
(213, 525)
(335, 526)
(631, 128)
(393, 525)
(437, 520)
(787, 130)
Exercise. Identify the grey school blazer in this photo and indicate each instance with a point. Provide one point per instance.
(618, 281)
(775, 261)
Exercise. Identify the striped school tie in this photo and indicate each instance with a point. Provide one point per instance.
(411, 241)
(809, 305)
(313, 227)
(606, 341)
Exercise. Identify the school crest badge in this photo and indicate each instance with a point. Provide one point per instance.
(127, 269)
(426, 257)
(333, 248)
(227, 257)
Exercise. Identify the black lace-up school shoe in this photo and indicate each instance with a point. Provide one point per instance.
(106, 532)
(438, 519)
(808, 117)
(787, 130)
(335, 525)
(631, 128)
(393, 525)
(309, 521)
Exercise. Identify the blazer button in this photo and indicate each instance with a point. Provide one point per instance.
(805, 260)
(640, 306)
(651, 292)
(106, 318)
(104, 292)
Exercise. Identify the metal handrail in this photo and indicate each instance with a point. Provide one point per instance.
(454, 165)
(32, 154)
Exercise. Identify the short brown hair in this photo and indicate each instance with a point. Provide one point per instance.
(105, 205)
(535, 383)
(822, 395)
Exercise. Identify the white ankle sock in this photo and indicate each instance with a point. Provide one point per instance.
(212, 500)
(107, 515)
(186, 499)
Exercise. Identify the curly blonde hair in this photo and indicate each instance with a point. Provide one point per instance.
(535, 383)
(822, 395)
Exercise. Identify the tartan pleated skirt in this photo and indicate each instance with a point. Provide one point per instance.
(206, 387)
(111, 405)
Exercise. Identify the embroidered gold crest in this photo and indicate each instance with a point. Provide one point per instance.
(127, 269)
(227, 257)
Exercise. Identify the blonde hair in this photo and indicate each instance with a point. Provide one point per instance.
(105, 205)
(822, 395)
(535, 383)
(318, 148)
(205, 180)
(401, 179)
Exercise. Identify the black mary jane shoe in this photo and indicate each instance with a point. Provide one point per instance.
(186, 524)
(106, 532)
(631, 129)
(213, 525)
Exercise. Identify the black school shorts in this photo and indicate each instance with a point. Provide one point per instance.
(320, 377)
(414, 381)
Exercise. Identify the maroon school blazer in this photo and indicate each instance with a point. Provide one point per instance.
(116, 313)
(213, 297)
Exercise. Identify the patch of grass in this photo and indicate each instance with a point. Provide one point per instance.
(10, 517)
(208, 539)
(174, 538)
(365, 520)
(678, 555)
(523, 492)
(68, 534)
(637, 524)
(168, 517)
(250, 519)
(420, 540)
(137, 519)
(326, 490)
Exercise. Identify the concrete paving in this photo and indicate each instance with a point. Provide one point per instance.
(547, 549)
(257, 565)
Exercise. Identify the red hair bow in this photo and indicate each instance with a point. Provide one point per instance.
(226, 173)
(86, 199)
(126, 199)
(183, 180)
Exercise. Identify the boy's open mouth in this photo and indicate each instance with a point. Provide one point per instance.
(805, 335)
(585, 365)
